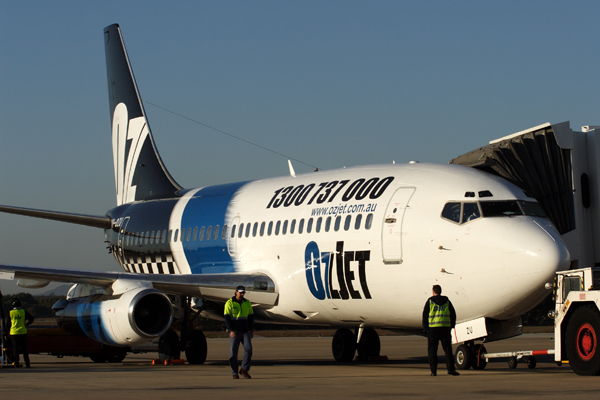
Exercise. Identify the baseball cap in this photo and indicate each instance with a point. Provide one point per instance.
(240, 289)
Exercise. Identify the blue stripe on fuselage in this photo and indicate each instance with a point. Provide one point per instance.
(208, 208)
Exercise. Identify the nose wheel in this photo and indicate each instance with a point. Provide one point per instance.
(469, 355)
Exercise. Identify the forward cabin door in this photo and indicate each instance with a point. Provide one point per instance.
(391, 236)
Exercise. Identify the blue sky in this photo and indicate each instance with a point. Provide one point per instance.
(332, 84)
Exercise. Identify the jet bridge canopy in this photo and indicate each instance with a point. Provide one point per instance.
(534, 161)
(560, 168)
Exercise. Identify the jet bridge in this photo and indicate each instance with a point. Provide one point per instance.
(561, 169)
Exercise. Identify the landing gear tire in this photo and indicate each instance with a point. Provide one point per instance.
(195, 347)
(111, 354)
(512, 362)
(463, 357)
(343, 345)
(369, 345)
(168, 346)
(478, 362)
(114, 354)
(583, 333)
(98, 358)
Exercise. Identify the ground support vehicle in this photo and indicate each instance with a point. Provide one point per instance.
(576, 327)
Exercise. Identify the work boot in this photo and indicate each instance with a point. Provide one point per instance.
(244, 373)
(433, 373)
(454, 373)
(16, 364)
(236, 376)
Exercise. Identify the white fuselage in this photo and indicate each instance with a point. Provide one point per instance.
(346, 274)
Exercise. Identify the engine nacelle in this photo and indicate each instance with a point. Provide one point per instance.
(128, 319)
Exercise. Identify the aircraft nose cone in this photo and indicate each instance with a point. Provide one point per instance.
(533, 253)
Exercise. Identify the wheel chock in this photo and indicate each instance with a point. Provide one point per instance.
(175, 361)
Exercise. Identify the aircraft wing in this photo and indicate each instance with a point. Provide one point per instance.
(216, 287)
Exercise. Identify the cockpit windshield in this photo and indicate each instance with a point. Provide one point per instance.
(510, 208)
(463, 212)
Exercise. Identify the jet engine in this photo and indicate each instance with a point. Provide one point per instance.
(128, 319)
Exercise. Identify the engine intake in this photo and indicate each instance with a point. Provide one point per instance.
(129, 319)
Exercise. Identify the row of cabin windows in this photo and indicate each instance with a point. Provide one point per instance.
(164, 236)
(290, 226)
(191, 235)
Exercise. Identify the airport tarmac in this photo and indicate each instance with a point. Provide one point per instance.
(298, 368)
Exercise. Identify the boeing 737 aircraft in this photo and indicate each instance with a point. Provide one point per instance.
(354, 248)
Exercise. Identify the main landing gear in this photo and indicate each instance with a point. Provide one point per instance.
(192, 341)
(345, 344)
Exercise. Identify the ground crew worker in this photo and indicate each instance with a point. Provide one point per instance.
(239, 318)
(439, 318)
(19, 321)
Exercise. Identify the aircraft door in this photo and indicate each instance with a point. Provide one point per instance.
(391, 236)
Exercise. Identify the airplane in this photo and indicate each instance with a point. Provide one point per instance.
(353, 248)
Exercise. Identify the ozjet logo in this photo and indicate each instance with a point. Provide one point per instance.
(341, 282)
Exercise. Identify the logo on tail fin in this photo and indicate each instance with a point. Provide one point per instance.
(128, 138)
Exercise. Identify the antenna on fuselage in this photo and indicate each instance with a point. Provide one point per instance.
(292, 172)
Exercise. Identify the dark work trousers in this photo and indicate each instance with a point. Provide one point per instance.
(234, 345)
(434, 335)
(20, 342)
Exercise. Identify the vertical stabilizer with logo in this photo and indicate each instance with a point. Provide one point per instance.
(139, 172)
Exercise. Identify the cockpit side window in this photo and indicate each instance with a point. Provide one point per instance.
(533, 209)
(452, 212)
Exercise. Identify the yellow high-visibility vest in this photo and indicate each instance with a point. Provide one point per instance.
(17, 322)
(439, 316)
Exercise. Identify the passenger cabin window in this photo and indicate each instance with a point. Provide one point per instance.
(347, 222)
(255, 229)
(224, 233)
(338, 221)
(248, 227)
(209, 232)
(327, 224)
(309, 226)
(284, 227)
(241, 230)
(301, 226)
(233, 230)
(319, 221)
(195, 234)
(216, 232)
(176, 235)
(277, 226)
(369, 221)
(292, 226)
(358, 221)
(270, 229)
(201, 234)
(262, 229)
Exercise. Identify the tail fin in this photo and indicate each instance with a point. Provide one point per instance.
(139, 172)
